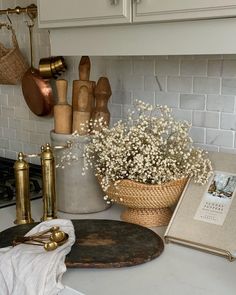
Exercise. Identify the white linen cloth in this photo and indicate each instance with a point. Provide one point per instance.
(30, 270)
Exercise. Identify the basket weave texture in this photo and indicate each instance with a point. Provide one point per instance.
(138, 195)
(147, 204)
(12, 63)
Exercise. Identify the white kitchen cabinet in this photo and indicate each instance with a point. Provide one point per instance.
(169, 10)
(71, 13)
(139, 27)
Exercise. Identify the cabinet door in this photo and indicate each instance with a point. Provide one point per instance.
(165, 10)
(70, 13)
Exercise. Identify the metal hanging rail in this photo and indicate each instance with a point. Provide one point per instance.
(31, 10)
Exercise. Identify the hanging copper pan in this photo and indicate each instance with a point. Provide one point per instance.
(37, 91)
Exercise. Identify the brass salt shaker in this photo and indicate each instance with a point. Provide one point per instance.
(23, 210)
(48, 176)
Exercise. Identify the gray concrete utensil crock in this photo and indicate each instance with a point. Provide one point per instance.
(76, 193)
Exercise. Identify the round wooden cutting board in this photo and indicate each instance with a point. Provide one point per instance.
(102, 243)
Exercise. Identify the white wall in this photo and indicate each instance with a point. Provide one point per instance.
(200, 89)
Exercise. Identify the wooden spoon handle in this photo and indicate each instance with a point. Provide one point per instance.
(62, 91)
(84, 68)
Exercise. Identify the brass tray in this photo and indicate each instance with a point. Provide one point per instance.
(102, 243)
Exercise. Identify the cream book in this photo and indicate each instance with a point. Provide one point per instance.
(205, 217)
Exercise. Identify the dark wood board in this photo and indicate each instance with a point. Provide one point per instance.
(102, 243)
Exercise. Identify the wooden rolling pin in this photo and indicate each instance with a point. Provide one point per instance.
(81, 116)
(84, 73)
(62, 110)
(102, 95)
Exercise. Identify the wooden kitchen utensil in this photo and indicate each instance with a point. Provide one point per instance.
(62, 110)
(81, 116)
(84, 73)
(101, 113)
(102, 243)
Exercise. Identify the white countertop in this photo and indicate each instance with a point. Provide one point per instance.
(179, 270)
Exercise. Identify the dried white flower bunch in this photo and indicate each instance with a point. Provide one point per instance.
(150, 147)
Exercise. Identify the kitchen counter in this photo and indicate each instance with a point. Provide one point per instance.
(179, 270)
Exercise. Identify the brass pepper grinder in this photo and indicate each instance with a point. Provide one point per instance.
(23, 210)
(48, 175)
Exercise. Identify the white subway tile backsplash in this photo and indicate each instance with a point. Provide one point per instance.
(31, 148)
(21, 112)
(3, 152)
(15, 145)
(4, 121)
(133, 82)
(4, 99)
(115, 110)
(207, 56)
(230, 56)
(10, 154)
(228, 121)
(99, 67)
(220, 103)
(6, 89)
(197, 134)
(193, 67)
(121, 97)
(8, 112)
(118, 65)
(220, 137)
(9, 133)
(4, 143)
(16, 124)
(42, 127)
(179, 84)
(147, 96)
(180, 115)
(157, 83)
(13, 100)
(214, 68)
(28, 125)
(229, 68)
(192, 101)
(206, 119)
(23, 136)
(168, 98)
(167, 67)
(39, 139)
(206, 85)
(143, 67)
(229, 86)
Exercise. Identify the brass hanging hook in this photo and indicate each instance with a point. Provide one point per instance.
(31, 11)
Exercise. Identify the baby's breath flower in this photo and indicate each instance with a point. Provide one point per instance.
(148, 147)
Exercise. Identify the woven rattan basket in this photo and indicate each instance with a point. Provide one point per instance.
(13, 64)
(147, 204)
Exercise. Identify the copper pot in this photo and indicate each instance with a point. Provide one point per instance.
(52, 67)
(37, 91)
